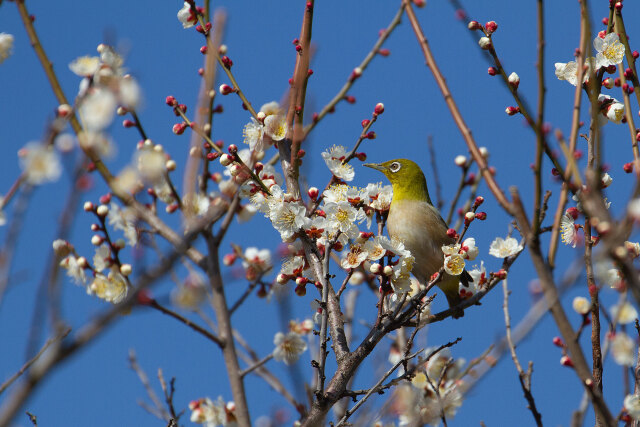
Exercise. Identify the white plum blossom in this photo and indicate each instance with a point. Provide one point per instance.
(315, 227)
(213, 414)
(289, 347)
(453, 261)
(287, 218)
(253, 133)
(343, 217)
(624, 313)
(124, 219)
(568, 230)
(186, 17)
(85, 66)
(569, 71)
(610, 50)
(102, 258)
(256, 262)
(333, 157)
(623, 349)
(338, 193)
(632, 406)
(380, 196)
(633, 209)
(112, 288)
(503, 248)
(275, 126)
(375, 249)
(353, 258)
(97, 109)
(612, 109)
(581, 305)
(606, 180)
(74, 269)
(39, 163)
(469, 249)
(191, 293)
(6, 45)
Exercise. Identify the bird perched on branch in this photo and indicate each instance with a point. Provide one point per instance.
(415, 222)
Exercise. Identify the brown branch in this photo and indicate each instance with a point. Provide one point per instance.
(557, 311)
(455, 112)
(525, 378)
(199, 329)
(33, 360)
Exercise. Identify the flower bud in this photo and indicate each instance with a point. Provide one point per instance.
(379, 109)
(229, 259)
(460, 160)
(566, 361)
(491, 26)
(608, 83)
(125, 269)
(511, 110)
(96, 240)
(301, 290)
(313, 193)
(171, 165)
(557, 341)
(171, 101)
(225, 89)
(226, 160)
(88, 206)
(627, 167)
(300, 280)
(282, 279)
(514, 80)
(452, 233)
(481, 216)
(479, 200)
(144, 297)
(388, 270)
(82, 262)
(484, 151)
(474, 25)
(365, 123)
(492, 71)
(64, 110)
(375, 268)
(485, 43)
(468, 217)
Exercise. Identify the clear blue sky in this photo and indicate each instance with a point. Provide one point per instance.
(96, 387)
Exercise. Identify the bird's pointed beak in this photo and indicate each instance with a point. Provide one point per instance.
(375, 166)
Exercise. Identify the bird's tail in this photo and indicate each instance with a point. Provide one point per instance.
(449, 286)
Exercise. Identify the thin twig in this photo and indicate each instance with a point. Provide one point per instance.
(144, 379)
(525, 378)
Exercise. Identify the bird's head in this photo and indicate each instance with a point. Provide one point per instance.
(406, 177)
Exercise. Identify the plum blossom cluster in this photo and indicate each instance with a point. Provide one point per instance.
(436, 388)
(213, 414)
(109, 275)
(105, 89)
(610, 53)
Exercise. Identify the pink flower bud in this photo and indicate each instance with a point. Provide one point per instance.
(479, 200)
(452, 233)
(361, 156)
(88, 207)
(128, 123)
(481, 216)
(557, 341)
(179, 128)
(573, 212)
(365, 123)
(566, 361)
(313, 193)
(64, 110)
(225, 89)
(203, 50)
(371, 135)
(627, 167)
(350, 99)
(384, 52)
(512, 110)
(357, 72)
(301, 290)
(492, 71)
(227, 62)
(229, 259)
(491, 26)
(379, 109)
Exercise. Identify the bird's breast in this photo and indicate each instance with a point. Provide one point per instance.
(419, 226)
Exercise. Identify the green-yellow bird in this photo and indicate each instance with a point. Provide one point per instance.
(414, 221)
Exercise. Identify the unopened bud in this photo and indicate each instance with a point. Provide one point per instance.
(229, 259)
(379, 109)
(511, 110)
(88, 206)
(491, 26)
(313, 193)
(375, 268)
(125, 269)
(514, 80)
(474, 25)
(225, 89)
(485, 43)
(226, 160)
(96, 240)
(282, 279)
(460, 160)
(388, 270)
(566, 361)
(468, 217)
(102, 210)
(557, 341)
(481, 216)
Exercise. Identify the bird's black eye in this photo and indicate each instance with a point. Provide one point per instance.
(395, 167)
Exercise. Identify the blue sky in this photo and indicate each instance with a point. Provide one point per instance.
(96, 387)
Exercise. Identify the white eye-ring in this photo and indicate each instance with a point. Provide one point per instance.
(395, 167)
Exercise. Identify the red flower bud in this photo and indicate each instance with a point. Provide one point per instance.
(491, 26)
(481, 216)
(557, 341)
(492, 71)
(171, 101)
(628, 167)
(365, 123)
(144, 297)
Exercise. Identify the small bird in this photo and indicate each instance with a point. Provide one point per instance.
(415, 222)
